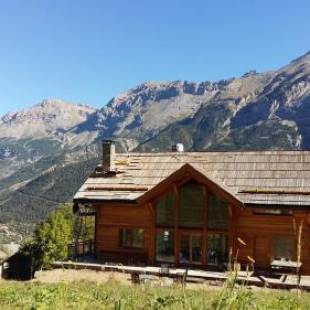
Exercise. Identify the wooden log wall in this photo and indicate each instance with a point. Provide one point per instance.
(110, 219)
(258, 231)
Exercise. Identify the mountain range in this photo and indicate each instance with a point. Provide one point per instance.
(48, 150)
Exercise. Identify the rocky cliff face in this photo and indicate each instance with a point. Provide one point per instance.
(255, 111)
(54, 139)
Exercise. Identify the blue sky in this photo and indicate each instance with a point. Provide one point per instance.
(89, 51)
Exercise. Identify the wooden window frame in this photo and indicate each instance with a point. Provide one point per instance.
(162, 229)
(131, 229)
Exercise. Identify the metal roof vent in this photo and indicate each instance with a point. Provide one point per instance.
(178, 147)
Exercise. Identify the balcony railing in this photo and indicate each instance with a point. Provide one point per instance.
(81, 248)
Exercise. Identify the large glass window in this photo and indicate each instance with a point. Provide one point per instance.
(165, 246)
(217, 246)
(190, 248)
(192, 203)
(283, 248)
(165, 210)
(131, 238)
(217, 213)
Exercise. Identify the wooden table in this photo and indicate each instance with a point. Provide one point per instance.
(286, 267)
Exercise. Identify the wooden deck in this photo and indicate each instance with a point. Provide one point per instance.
(256, 280)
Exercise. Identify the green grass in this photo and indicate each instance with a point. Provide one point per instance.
(112, 295)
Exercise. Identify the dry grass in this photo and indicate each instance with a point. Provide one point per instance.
(70, 275)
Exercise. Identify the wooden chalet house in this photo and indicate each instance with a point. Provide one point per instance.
(196, 208)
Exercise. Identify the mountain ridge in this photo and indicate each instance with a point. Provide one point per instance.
(257, 111)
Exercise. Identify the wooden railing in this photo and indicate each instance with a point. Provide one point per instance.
(81, 248)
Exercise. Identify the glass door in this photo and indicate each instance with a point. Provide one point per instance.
(190, 249)
(217, 249)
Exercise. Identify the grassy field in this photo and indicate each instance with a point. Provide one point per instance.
(115, 295)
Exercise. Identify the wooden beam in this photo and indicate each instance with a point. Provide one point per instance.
(176, 223)
(232, 230)
(96, 234)
(204, 228)
(152, 248)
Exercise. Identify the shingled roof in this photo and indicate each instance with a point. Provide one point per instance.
(262, 178)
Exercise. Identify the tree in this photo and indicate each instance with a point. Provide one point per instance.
(54, 235)
(50, 241)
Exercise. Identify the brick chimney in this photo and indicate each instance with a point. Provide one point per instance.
(108, 156)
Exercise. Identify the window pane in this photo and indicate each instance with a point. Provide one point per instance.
(217, 213)
(184, 249)
(283, 248)
(217, 249)
(132, 238)
(137, 238)
(125, 237)
(273, 211)
(191, 205)
(165, 210)
(165, 246)
(196, 249)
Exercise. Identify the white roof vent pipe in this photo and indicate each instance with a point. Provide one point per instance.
(178, 147)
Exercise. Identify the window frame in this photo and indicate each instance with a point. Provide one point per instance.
(162, 230)
(131, 230)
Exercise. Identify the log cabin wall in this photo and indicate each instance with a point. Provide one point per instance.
(259, 231)
(111, 218)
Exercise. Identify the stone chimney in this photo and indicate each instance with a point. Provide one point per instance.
(108, 156)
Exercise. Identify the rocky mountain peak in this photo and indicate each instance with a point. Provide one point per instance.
(43, 119)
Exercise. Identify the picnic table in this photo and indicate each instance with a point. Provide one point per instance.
(286, 267)
(163, 273)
